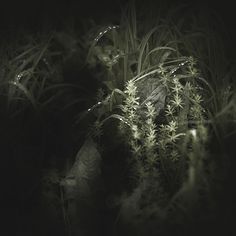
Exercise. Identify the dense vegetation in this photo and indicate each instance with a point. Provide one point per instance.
(148, 101)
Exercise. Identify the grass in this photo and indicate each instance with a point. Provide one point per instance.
(160, 104)
(178, 68)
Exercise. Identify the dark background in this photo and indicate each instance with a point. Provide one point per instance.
(31, 13)
(37, 15)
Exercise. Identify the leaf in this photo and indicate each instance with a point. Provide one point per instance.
(26, 92)
(143, 44)
(117, 117)
(82, 180)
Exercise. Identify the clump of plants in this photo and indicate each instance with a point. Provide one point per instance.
(157, 90)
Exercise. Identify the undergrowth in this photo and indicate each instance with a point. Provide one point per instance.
(162, 86)
(164, 104)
